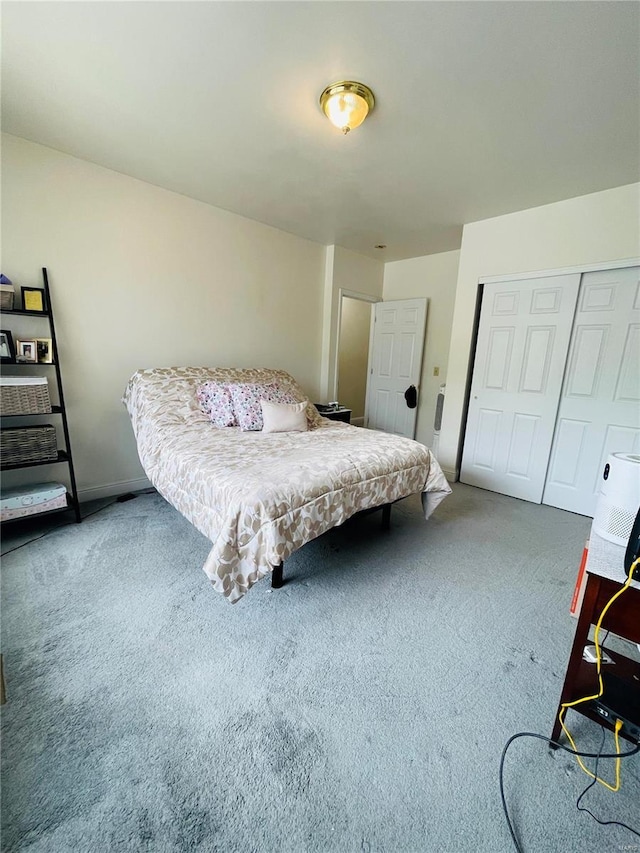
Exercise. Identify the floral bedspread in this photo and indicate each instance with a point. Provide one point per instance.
(260, 496)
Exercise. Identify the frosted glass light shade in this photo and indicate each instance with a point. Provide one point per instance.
(347, 104)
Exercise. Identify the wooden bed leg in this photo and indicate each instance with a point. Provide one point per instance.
(386, 516)
(277, 579)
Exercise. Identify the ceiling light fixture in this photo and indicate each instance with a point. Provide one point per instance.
(346, 104)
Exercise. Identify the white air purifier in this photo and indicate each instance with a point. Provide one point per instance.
(619, 498)
(437, 422)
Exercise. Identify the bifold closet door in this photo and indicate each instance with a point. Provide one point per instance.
(599, 409)
(523, 341)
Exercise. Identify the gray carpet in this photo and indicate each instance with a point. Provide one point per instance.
(361, 708)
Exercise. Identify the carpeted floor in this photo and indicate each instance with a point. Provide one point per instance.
(361, 708)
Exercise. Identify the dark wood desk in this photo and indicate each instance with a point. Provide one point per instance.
(623, 619)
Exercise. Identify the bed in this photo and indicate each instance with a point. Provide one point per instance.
(259, 496)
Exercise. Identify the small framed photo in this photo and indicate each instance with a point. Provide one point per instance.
(44, 350)
(27, 352)
(7, 350)
(33, 299)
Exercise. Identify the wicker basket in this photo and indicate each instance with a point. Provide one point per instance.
(27, 444)
(24, 395)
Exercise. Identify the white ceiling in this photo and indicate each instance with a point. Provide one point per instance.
(483, 108)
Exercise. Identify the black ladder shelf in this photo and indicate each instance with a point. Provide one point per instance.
(64, 456)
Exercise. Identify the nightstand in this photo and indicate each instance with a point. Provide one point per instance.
(605, 578)
(341, 414)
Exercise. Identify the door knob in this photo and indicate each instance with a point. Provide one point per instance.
(411, 396)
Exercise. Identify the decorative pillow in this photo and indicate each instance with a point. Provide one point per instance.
(215, 401)
(284, 417)
(246, 398)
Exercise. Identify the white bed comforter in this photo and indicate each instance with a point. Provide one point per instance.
(260, 496)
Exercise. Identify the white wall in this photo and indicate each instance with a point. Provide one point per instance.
(353, 355)
(144, 277)
(595, 228)
(433, 276)
(344, 270)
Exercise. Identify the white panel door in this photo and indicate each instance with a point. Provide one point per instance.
(523, 339)
(395, 363)
(600, 403)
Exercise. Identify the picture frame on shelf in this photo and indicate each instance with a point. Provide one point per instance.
(44, 350)
(26, 352)
(7, 295)
(7, 349)
(33, 299)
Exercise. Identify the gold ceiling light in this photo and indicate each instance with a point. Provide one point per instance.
(347, 104)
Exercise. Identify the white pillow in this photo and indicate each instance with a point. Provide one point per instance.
(284, 417)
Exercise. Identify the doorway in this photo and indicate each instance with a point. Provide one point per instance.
(353, 355)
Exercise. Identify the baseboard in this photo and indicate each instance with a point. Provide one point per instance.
(452, 476)
(357, 421)
(111, 489)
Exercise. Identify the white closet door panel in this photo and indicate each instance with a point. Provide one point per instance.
(599, 409)
(523, 339)
(523, 440)
(627, 384)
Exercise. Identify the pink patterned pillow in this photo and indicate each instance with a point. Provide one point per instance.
(246, 398)
(215, 401)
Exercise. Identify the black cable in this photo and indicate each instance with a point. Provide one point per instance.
(595, 774)
(28, 542)
(96, 511)
(598, 755)
(55, 527)
(66, 524)
(590, 786)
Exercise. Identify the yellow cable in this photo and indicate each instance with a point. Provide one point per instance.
(565, 705)
(604, 782)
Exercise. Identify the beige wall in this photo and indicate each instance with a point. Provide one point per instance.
(344, 270)
(433, 276)
(355, 324)
(144, 277)
(591, 229)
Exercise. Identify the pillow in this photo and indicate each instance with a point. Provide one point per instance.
(246, 398)
(215, 401)
(284, 417)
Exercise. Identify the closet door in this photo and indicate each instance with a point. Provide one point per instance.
(522, 346)
(600, 404)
